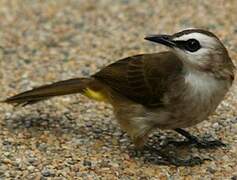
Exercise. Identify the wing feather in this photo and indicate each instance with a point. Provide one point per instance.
(142, 78)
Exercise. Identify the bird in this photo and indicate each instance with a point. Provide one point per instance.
(169, 90)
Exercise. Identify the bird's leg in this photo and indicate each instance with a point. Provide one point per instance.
(200, 143)
(168, 159)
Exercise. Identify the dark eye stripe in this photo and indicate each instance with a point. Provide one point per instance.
(190, 45)
(180, 44)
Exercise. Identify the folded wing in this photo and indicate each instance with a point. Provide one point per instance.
(142, 78)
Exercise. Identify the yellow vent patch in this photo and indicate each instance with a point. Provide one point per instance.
(96, 95)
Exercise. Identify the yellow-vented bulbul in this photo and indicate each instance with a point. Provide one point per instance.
(167, 90)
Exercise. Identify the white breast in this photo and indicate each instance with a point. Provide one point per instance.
(197, 101)
(204, 94)
(203, 85)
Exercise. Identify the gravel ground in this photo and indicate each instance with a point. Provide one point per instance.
(73, 137)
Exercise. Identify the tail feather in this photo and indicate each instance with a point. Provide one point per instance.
(70, 86)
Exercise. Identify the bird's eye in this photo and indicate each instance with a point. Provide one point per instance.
(192, 45)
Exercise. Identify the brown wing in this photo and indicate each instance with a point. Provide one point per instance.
(142, 78)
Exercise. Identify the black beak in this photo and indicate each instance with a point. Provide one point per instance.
(161, 39)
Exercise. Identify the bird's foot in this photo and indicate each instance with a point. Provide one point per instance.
(207, 144)
(199, 143)
(167, 159)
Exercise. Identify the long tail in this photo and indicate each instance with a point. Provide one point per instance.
(70, 86)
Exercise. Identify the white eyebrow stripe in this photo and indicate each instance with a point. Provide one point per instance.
(202, 38)
(194, 35)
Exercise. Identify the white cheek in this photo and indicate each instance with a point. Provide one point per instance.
(180, 53)
(198, 57)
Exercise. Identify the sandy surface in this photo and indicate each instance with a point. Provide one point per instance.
(73, 137)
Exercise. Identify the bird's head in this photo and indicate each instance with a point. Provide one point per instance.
(197, 48)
